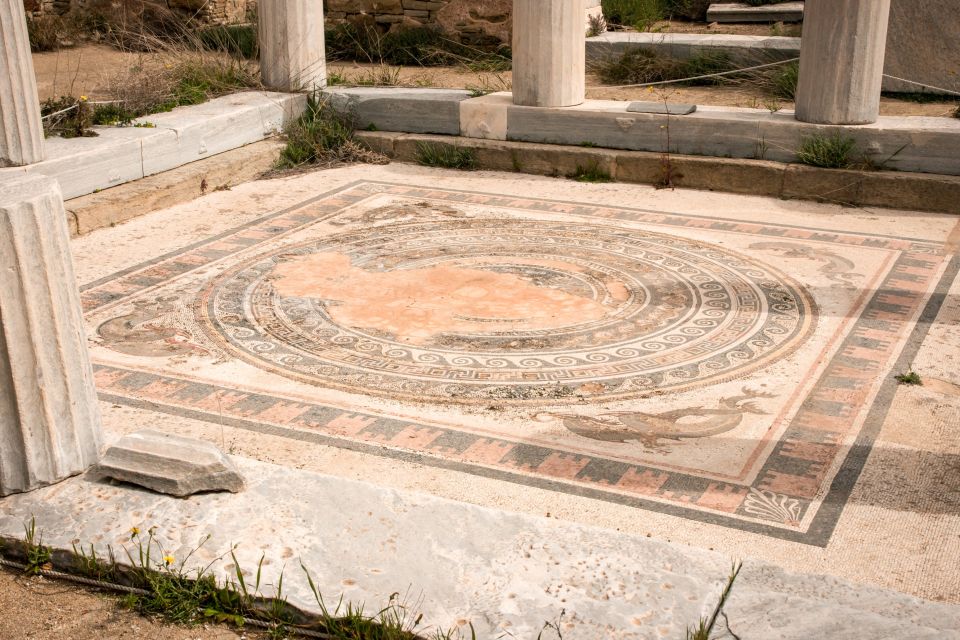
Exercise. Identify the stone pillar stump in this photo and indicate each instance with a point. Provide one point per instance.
(21, 130)
(49, 418)
(292, 54)
(841, 61)
(549, 52)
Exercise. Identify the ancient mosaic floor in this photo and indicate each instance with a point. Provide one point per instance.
(721, 367)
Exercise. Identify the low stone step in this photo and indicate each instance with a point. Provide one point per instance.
(741, 12)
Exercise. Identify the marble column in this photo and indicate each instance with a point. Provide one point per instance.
(49, 417)
(549, 52)
(21, 130)
(841, 61)
(292, 55)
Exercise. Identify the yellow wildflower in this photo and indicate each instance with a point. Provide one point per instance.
(134, 532)
(168, 560)
(83, 98)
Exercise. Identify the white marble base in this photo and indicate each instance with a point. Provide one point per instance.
(455, 562)
(123, 154)
(49, 417)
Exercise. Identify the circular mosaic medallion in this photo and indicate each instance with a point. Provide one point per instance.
(506, 312)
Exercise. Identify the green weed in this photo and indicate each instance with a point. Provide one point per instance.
(596, 25)
(37, 556)
(643, 13)
(112, 114)
(593, 172)
(909, 378)
(445, 155)
(705, 626)
(489, 83)
(634, 13)
(323, 136)
(831, 152)
(67, 117)
(784, 79)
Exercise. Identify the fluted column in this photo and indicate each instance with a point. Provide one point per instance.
(549, 50)
(21, 131)
(292, 55)
(841, 61)
(49, 418)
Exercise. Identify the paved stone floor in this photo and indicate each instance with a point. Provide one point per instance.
(709, 369)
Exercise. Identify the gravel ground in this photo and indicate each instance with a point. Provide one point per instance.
(35, 608)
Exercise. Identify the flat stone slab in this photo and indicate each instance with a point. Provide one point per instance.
(741, 12)
(462, 563)
(661, 108)
(170, 464)
(408, 110)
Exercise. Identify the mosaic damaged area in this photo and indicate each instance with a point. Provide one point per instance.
(715, 369)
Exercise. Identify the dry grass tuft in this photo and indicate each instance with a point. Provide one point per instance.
(323, 137)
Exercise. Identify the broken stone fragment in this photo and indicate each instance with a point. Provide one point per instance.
(169, 464)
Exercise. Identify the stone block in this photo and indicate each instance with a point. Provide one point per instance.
(751, 177)
(170, 464)
(85, 165)
(486, 117)
(742, 12)
(667, 109)
(406, 110)
(172, 187)
(379, 141)
(812, 183)
(910, 191)
(914, 143)
(709, 131)
(197, 132)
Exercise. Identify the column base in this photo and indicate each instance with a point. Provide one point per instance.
(49, 417)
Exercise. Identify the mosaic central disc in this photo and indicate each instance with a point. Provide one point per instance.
(506, 312)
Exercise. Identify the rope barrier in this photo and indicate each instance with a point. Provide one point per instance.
(764, 66)
(719, 74)
(925, 86)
